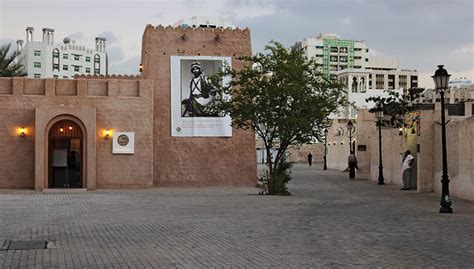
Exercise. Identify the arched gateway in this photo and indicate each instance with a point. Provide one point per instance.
(66, 155)
(65, 147)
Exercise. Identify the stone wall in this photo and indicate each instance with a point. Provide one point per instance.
(338, 149)
(460, 149)
(195, 161)
(424, 145)
(300, 154)
(120, 105)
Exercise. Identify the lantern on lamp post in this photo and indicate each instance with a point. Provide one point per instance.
(325, 148)
(350, 126)
(441, 80)
(379, 118)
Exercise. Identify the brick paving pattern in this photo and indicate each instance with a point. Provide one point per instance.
(329, 221)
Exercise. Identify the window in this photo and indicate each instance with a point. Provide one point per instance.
(65, 67)
(77, 57)
(37, 75)
(319, 56)
(402, 82)
(343, 49)
(357, 67)
(357, 57)
(333, 68)
(357, 49)
(320, 47)
(65, 77)
(379, 81)
(343, 59)
(354, 85)
(333, 77)
(334, 49)
(414, 81)
(55, 59)
(367, 59)
(37, 52)
(65, 56)
(333, 59)
(96, 64)
(366, 50)
(88, 59)
(77, 68)
(88, 70)
(391, 82)
(37, 65)
(56, 76)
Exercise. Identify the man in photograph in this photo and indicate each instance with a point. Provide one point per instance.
(201, 94)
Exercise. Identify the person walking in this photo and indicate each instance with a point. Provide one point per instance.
(352, 162)
(406, 170)
(310, 159)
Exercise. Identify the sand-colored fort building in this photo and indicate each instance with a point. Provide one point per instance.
(129, 132)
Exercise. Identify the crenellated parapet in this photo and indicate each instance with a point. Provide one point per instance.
(162, 42)
(91, 87)
(113, 76)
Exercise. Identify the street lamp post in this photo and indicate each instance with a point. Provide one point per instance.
(350, 126)
(379, 116)
(441, 80)
(325, 148)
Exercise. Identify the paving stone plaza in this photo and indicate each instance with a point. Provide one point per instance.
(329, 221)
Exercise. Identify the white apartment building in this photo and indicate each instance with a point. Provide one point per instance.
(459, 90)
(335, 54)
(203, 22)
(361, 84)
(362, 74)
(47, 59)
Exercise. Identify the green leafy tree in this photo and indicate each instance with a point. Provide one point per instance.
(284, 98)
(8, 67)
(396, 105)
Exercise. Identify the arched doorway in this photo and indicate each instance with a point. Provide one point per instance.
(65, 155)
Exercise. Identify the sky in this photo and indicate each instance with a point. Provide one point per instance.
(420, 33)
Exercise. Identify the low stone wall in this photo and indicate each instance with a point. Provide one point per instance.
(300, 154)
(424, 144)
(118, 105)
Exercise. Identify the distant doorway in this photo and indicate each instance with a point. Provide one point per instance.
(65, 155)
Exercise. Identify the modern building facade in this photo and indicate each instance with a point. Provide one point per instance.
(203, 22)
(363, 75)
(334, 54)
(361, 84)
(459, 91)
(50, 59)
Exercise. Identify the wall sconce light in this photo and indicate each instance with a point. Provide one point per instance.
(107, 134)
(141, 68)
(22, 132)
(342, 142)
(61, 129)
(334, 143)
(70, 127)
(400, 131)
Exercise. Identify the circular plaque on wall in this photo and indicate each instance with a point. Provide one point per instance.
(123, 140)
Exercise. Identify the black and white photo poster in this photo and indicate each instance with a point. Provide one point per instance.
(192, 93)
